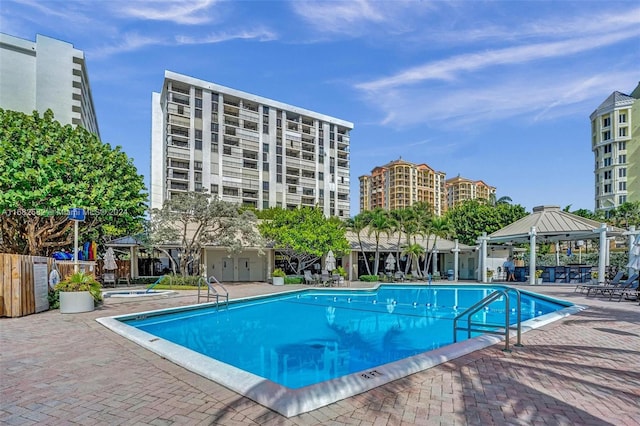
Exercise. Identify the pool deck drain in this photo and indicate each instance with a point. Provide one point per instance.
(582, 369)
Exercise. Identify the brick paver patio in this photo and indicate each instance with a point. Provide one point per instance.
(69, 369)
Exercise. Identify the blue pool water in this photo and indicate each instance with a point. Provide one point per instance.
(302, 338)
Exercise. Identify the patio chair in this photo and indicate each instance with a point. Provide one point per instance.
(609, 289)
(399, 276)
(309, 278)
(615, 280)
(109, 279)
(627, 290)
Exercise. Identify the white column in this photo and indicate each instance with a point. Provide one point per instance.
(602, 257)
(532, 255)
(557, 253)
(435, 260)
(456, 251)
(483, 257)
(632, 233)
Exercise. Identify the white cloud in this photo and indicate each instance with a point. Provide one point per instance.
(534, 96)
(192, 12)
(129, 42)
(448, 69)
(260, 34)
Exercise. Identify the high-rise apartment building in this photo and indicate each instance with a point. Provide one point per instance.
(461, 189)
(615, 142)
(46, 74)
(246, 149)
(400, 184)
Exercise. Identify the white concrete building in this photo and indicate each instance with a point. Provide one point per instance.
(46, 74)
(246, 149)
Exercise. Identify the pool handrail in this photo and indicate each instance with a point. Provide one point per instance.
(154, 284)
(211, 289)
(470, 311)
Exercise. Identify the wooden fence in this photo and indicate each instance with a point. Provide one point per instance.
(21, 284)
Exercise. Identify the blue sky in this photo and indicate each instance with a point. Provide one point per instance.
(498, 91)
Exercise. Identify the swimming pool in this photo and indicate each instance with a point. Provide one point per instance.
(313, 347)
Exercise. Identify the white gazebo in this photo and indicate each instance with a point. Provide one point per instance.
(549, 224)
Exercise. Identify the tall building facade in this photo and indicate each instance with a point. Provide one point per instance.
(246, 149)
(615, 142)
(46, 74)
(460, 189)
(400, 184)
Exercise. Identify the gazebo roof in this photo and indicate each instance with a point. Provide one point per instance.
(552, 224)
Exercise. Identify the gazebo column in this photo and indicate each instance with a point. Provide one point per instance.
(532, 255)
(602, 256)
(483, 257)
(632, 233)
(456, 251)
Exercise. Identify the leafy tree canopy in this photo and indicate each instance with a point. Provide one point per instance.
(470, 219)
(194, 219)
(47, 168)
(304, 235)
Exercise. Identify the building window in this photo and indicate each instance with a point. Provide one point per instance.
(198, 145)
(606, 135)
(607, 188)
(214, 127)
(198, 113)
(622, 186)
(607, 175)
(607, 148)
(622, 172)
(265, 185)
(265, 129)
(226, 150)
(320, 175)
(622, 199)
(622, 118)
(214, 147)
(198, 103)
(622, 146)
(606, 121)
(265, 109)
(607, 162)
(622, 159)
(265, 166)
(622, 131)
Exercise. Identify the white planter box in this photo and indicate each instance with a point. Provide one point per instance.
(278, 280)
(73, 302)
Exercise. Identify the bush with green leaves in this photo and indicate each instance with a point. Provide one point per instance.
(81, 281)
(369, 278)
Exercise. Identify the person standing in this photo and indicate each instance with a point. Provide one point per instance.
(510, 269)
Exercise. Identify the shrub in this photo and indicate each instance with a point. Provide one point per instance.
(179, 280)
(369, 278)
(278, 273)
(80, 281)
(293, 280)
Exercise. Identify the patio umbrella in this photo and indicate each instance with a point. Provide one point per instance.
(390, 263)
(330, 261)
(634, 255)
(110, 260)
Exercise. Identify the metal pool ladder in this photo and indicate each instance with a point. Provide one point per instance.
(488, 327)
(211, 284)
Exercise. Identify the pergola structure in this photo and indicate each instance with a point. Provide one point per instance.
(549, 224)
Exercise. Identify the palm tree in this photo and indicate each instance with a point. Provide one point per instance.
(401, 221)
(414, 253)
(379, 224)
(439, 227)
(357, 224)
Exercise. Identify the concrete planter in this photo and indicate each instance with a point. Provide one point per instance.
(73, 302)
(278, 280)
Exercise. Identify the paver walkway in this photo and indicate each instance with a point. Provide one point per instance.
(69, 369)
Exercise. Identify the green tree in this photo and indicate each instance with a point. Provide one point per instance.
(439, 227)
(47, 168)
(357, 224)
(304, 235)
(194, 219)
(471, 218)
(379, 223)
(414, 253)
